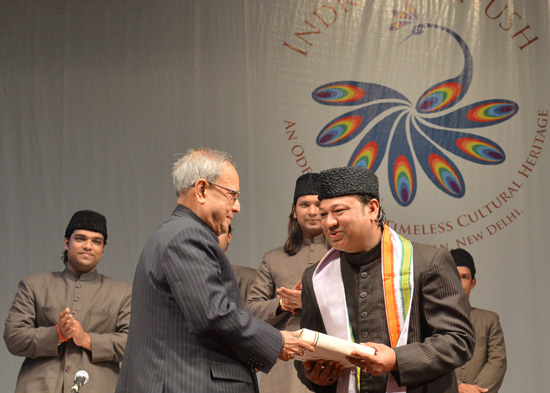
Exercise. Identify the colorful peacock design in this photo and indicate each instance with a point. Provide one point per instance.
(423, 129)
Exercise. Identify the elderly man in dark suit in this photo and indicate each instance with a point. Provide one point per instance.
(188, 331)
(375, 287)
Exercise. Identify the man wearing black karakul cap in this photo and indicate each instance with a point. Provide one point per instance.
(73, 320)
(374, 287)
(275, 294)
(485, 371)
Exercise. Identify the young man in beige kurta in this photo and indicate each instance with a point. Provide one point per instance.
(275, 294)
(72, 320)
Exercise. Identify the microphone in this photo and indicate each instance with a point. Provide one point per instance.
(80, 379)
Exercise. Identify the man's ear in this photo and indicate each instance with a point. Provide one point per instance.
(66, 244)
(474, 281)
(200, 190)
(374, 207)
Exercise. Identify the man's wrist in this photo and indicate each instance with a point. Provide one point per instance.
(60, 337)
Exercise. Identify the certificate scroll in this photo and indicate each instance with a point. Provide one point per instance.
(329, 348)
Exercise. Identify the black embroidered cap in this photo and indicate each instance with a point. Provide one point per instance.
(89, 221)
(307, 184)
(348, 180)
(463, 258)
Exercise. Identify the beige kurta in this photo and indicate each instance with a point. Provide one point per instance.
(278, 269)
(101, 305)
(488, 364)
(245, 277)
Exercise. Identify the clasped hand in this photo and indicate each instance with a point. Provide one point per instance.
(72, 329)
(291, 299)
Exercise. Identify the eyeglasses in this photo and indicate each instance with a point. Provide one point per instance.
(233, 193)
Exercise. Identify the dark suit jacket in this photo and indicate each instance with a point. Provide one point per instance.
(188, 331)
(488, 365)
(440, 334)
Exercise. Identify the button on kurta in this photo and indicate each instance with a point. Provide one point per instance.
(76, 298)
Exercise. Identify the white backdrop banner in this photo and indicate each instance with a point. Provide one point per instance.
(443, 100)
(446, 100)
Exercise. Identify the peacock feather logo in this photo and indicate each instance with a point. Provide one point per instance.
(424, 130)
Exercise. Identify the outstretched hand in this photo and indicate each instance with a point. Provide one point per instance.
(381, 362)
(293, 346)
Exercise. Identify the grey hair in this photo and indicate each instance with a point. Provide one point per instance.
(198, 163)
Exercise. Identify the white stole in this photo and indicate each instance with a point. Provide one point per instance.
(331, 298)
